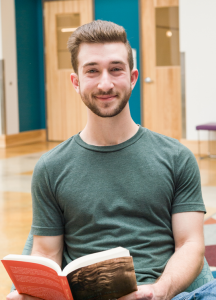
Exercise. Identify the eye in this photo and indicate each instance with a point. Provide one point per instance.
(116, 69)
(92, 71)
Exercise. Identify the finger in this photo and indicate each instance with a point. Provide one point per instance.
(16, 296)
(138, 295)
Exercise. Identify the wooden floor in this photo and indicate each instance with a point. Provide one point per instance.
(26, 149)
(15, 212)
(15, 204)
(15, 220)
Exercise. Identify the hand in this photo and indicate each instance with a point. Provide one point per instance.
(146, 292)
(16, 296)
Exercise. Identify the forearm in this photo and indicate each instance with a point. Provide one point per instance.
(49, 247)
(181, 270)
(56, 258)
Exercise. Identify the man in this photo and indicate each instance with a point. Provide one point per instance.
(116, 183)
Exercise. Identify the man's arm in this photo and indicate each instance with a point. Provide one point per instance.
(185, 264)
(45, 246)
(49, 247)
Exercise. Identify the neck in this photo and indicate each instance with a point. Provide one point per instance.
(109, 131)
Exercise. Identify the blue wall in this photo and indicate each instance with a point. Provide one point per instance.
(126, 14)
(30, 64)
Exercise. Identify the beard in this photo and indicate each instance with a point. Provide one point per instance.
(90, 100)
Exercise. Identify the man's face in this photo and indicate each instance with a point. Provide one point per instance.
(104, 78)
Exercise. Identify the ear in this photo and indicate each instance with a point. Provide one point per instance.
(75, 82)
(134, 77)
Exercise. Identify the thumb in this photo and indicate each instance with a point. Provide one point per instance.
(145, 293)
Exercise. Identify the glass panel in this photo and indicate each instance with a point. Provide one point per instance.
(167, 36)
(65, 24)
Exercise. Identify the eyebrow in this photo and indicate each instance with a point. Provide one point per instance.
(90, 64)
(116, 62)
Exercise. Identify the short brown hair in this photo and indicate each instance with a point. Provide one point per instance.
(97, 32)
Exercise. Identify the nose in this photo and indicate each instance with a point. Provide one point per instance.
(105, 83)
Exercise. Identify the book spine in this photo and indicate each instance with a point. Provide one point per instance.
(66, 288)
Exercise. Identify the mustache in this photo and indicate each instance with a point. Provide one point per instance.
(108, 93)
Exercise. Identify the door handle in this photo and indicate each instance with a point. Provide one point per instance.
(148, 80)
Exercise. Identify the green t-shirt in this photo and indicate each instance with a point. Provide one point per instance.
(121, 195)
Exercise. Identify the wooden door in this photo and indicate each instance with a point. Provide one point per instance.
(66, 113)
(161, 109)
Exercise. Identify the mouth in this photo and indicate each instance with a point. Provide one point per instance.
(105, 97)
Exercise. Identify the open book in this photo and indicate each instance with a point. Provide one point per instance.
(104, 275)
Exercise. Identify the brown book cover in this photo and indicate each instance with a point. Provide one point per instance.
(107, 280)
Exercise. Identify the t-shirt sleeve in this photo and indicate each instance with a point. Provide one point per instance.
(188, 194)
(47, 214)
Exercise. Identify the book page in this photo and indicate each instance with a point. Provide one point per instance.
(35, 259)
(95, 258)
(35, 280)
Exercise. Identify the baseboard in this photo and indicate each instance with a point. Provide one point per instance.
(193, 146)
(22, 138)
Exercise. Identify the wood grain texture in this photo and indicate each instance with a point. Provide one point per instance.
(22, 138)
(161, 99)
(26, 149)
(27, 173)
(67, 115)
(165, 3)
(15, 224)
(169, 101)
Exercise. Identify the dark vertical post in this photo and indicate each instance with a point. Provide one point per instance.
(2, 98)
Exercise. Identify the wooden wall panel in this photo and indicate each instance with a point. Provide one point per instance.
(66, 113)
(161, 109)
(23, 138)
(164, 3)
(169, 101)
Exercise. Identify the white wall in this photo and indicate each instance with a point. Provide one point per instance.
(0, 34)
(8, 48)
(198, 41)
